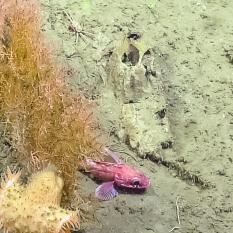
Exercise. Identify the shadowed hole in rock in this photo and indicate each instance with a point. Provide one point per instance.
(166, 144)
(134, 35)
(132, 58)
(161, 113)
(146, 61)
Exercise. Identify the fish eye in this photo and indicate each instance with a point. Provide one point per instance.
(136, 182)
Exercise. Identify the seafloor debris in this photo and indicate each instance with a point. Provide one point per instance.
(35, 207)
(77, 29)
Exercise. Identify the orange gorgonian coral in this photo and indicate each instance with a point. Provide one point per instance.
(43, 117)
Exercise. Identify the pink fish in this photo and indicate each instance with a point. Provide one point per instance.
(116, 174)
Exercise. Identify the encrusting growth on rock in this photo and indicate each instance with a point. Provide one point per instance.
(35, 208)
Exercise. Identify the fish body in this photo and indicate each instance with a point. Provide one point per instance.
(116, 174)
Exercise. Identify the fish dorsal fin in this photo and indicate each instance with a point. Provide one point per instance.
(114, 156)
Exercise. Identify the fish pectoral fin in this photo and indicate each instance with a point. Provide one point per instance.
(106, 191)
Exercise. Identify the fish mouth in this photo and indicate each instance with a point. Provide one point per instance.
(136, 186)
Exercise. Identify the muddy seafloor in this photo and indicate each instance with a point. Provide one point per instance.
(167, 109)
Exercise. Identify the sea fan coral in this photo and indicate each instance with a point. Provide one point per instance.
(44, 119)
(34, 208)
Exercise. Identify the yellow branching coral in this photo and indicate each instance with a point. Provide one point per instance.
(34, 208)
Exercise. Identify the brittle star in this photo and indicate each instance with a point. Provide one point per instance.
(77, 29)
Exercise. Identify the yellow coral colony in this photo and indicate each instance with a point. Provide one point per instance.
(34, 208)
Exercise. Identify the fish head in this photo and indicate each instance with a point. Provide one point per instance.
(133, 178)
